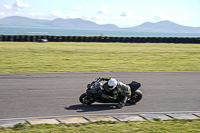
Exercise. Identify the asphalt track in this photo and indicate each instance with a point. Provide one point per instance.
(25, 95)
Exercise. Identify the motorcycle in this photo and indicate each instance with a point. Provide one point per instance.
(95, 89)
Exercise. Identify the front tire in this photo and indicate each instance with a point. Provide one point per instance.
(84, 99)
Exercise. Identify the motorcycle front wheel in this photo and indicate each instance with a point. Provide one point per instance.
(136, 96)
(85, 99)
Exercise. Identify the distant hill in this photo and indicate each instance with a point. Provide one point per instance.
(80, 24)
(164, 26)
(16, 21)
(23, 22)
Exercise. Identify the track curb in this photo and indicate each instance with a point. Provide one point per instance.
(143, 116)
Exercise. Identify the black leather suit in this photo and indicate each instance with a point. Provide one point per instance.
(121, 91)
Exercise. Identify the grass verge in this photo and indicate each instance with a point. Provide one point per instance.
(151, 126)
(97, 57)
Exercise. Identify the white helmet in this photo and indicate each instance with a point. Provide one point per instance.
(112, 83)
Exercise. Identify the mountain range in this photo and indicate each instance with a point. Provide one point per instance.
(80, 24)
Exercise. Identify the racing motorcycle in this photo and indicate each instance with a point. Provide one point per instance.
(95, 89)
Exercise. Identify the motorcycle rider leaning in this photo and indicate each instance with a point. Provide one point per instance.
(116, 89)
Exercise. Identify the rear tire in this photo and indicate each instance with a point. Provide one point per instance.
(136, 96)
(84, 99)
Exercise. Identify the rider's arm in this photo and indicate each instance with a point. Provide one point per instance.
(125, 92)
(105, 79)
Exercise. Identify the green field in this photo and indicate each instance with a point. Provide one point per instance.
(101, 57)
(97, 57)
(151, 126)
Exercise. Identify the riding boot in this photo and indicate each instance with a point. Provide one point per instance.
(122, 103)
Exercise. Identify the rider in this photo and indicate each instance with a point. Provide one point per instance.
(116, 89)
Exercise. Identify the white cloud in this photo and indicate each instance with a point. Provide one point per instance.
(86, 16)
(53, 15)
(58, 14)
(13, 10)
(127, 16)
(73, 16)
(78, 8)
(96, 17)
(160, 16)
(19, 5)
(99, 17)
(138, 18)
(6, 7)
(124, 24)
(183, 18)
(2, 15)
(36, 15)
(103, 10)
(126, 13)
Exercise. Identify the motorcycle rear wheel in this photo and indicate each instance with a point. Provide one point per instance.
(84, 99)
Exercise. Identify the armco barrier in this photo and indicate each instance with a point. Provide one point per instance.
(52, 38)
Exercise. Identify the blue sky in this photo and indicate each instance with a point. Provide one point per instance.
(123, 13)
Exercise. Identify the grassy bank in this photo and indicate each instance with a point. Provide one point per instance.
(152, 126)
(97, 57)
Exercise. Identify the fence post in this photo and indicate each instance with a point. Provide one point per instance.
(132, 39)
(87, 38)
(112, 39)
(1, 36)
(11, 38)
(198, 40)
